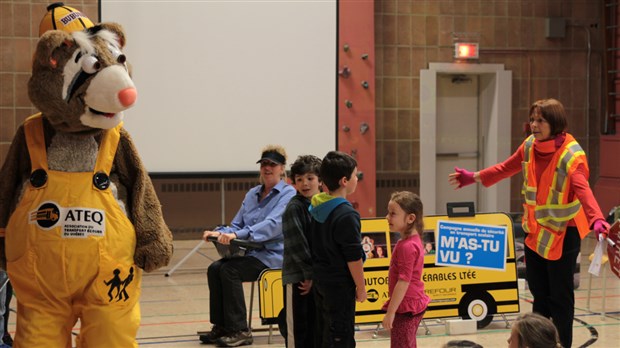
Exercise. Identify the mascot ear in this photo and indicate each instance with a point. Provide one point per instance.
(116, 29)
(50, 46)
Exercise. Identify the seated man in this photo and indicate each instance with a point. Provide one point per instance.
(259, 220)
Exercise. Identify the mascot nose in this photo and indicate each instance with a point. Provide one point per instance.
(128, 96)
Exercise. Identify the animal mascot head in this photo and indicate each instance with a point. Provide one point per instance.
(79, 217)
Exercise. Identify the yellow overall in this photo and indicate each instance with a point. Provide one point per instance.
(69, 251)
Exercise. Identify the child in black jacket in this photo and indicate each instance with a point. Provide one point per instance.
(337, 252)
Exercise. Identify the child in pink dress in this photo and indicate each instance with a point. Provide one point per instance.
(407, 302)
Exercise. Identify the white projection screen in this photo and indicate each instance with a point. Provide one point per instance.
(218, 80)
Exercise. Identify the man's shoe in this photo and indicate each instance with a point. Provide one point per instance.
(240, 338)
(7, 339)
(216, 333)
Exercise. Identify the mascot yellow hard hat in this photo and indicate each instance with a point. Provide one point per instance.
(61, 17)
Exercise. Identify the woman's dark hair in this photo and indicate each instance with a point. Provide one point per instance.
(534, 330)
(553, 112)
(410, 203)
(305, 164)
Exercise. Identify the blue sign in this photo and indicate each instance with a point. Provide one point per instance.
(471, 245)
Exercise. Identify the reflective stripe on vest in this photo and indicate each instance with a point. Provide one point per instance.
(569, 155)
(544, 242)
(529, 192)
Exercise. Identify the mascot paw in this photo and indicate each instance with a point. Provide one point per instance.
(153, 256)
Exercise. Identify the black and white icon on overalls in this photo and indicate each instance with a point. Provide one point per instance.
(46, 216)
(119, 285)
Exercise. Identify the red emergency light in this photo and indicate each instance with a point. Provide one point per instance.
(466, 50)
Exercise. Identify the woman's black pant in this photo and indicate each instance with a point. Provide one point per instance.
(552, 285)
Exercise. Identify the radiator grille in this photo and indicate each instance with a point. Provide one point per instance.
(388, 183)
(240, 186)
(236, 186)
(192, 205)
(191, 187)
(399, 182)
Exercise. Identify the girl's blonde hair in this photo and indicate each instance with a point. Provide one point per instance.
(534, 330)
(411, 204)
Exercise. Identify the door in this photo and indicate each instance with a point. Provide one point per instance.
(457, 136)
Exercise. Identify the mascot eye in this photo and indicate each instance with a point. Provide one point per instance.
(117, 54)
(90, 65)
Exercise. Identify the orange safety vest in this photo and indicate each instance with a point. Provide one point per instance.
(547, 210)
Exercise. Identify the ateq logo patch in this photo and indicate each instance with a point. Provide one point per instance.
(75, 222)
(46, 216)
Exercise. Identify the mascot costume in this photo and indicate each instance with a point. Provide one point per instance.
(79, 217)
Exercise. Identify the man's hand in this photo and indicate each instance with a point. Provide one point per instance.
(225, 238)
(207, 234)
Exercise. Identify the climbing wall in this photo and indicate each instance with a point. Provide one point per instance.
(356, 97)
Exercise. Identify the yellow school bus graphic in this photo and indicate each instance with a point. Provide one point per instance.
(44, 214)
(455, 291)
(469, 292)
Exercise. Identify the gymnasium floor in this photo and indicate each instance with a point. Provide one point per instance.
(174, 308)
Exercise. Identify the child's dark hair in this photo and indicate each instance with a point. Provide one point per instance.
(305, 164)
(411, 204)
(335, 166)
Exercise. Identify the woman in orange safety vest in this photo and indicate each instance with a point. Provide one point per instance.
(559, 209)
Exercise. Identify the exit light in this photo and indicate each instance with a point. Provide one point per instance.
(465, 50)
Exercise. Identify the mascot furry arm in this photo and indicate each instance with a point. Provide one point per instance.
(84, 110)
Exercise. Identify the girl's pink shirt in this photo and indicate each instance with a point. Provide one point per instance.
(407, 264)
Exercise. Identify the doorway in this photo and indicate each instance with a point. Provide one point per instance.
(465, 117)
(457, 135)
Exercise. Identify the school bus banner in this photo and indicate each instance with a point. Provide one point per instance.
(478, 290)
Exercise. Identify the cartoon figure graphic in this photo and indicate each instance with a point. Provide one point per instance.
(428, 248)
(115, 283)
(368, 244)
(123, 292)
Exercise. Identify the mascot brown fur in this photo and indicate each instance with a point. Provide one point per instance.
(81, 85)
